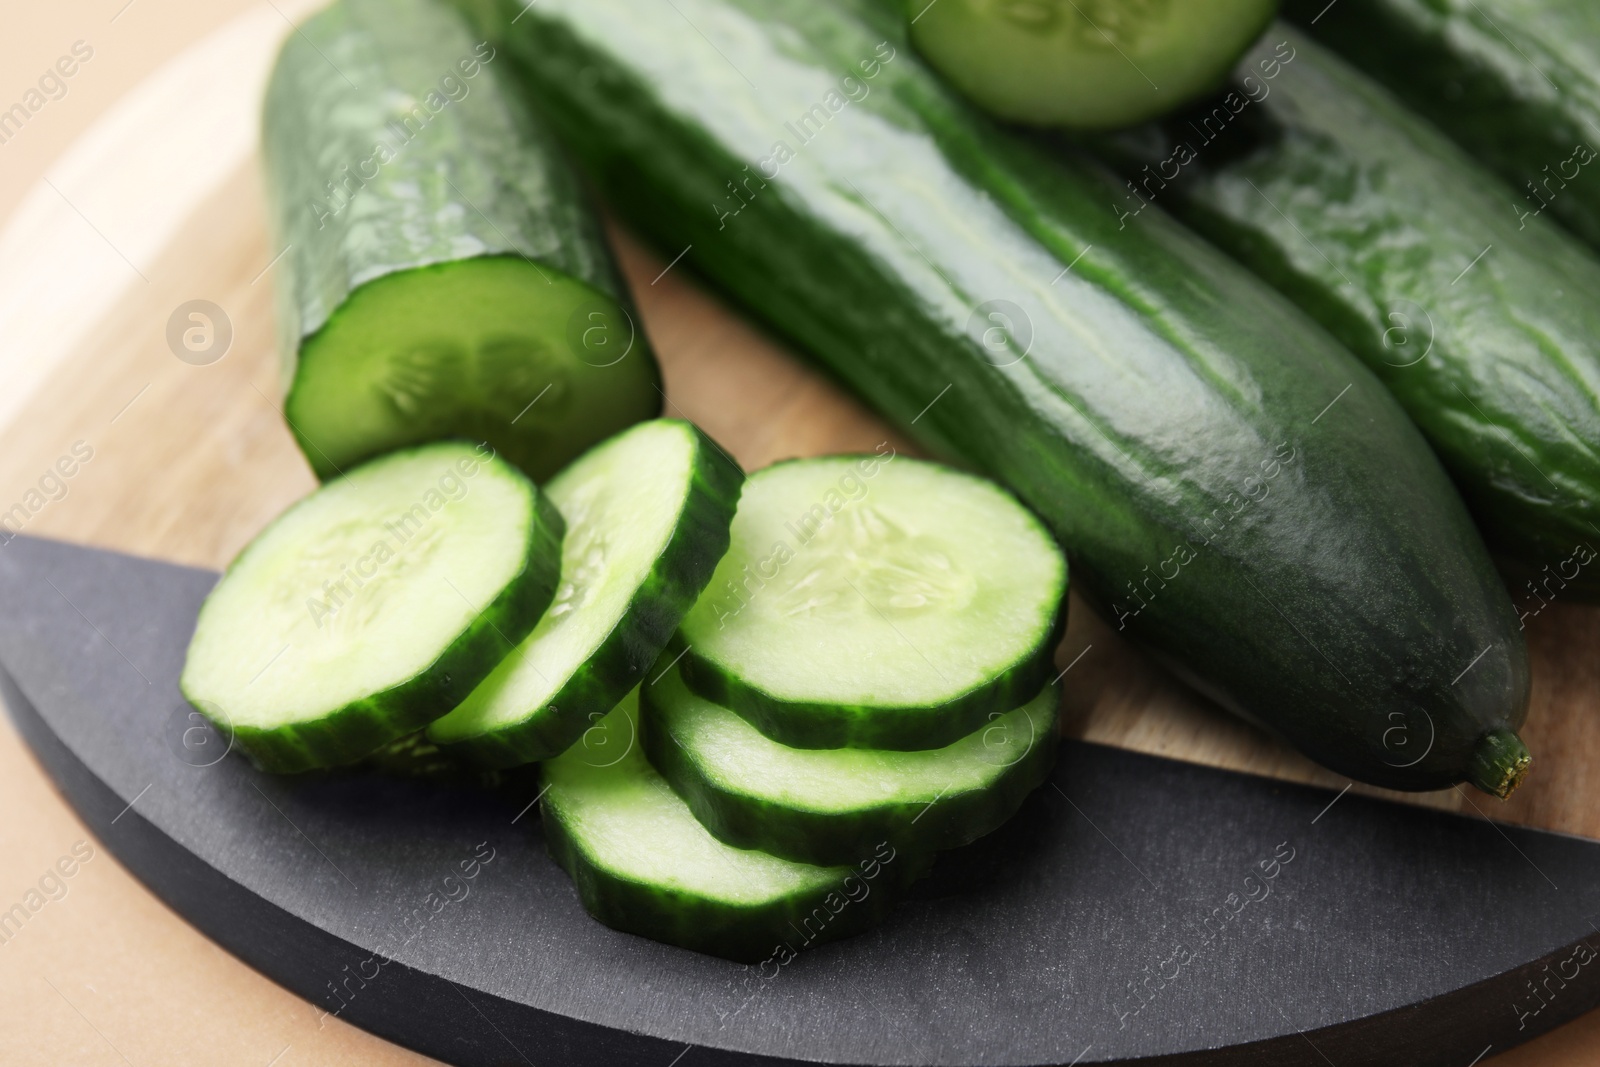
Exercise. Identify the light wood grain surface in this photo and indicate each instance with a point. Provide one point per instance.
(188, 462)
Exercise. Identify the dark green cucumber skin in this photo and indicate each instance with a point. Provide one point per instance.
(1368, 218)
(359, 729)
(828, 838)
(484, 179)
(627, 653)
(806, 724)
(1516, 82)
(1345, 594)
(414, 756)
(744, 935)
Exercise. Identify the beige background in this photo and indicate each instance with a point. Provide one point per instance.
(107, 974)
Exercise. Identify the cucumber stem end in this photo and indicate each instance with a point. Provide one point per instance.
(1500, 762)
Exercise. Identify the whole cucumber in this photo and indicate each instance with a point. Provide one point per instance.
(1485, 328)
(1516, 82)
(1233, 488)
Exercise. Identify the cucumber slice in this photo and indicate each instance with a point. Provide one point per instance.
(443, 274)
(875, 602)
(830, 806)
(1085, 64)
(372, 605)
(647, 519)
(642, 863)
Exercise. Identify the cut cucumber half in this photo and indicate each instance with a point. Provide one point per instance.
(642, 862)
(373, 605)
(831, 805)
(875, 602)
(647, 517)
(443, 273)
(1085, 64)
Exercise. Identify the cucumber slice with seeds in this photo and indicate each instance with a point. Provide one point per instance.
(875, 602)
(372, 605)
(643, 864)
(647, 519)
(829, 806)
(1085, 64)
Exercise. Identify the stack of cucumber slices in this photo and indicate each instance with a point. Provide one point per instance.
(761, 705)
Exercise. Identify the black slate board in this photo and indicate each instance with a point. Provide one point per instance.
(1104, 925)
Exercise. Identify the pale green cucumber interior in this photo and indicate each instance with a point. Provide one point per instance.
(360, 586)
(622, 501)
(873, 581)
(492, 349)
(737, 757)
(1086, 64)
(627, 820)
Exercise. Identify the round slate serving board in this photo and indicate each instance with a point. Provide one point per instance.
(1137, 909)
(1391, 925)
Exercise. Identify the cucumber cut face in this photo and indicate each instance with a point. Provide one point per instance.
(831, 805)
(875, 602)
(1086, 64)
(373, 605)
(494, 349)
(647, 518)
(642, 862)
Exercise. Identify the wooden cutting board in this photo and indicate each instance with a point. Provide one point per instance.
(160, 205)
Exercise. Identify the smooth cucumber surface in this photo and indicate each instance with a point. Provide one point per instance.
(373, 605)
(1167, 414)
(643, 864)
(442, 274)
(647, 515)
(1485, 328)
(1085, 64)
(876, 601)
(833, 805)
(1516, 82)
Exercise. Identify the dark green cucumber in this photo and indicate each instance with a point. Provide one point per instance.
(373, 605)
(441, 274)
(1516, 82)
(647, 520)
(641, 863)
(1487, 330)
(1166, 413)
(1085, 64)
(834, 805)
(876, 602)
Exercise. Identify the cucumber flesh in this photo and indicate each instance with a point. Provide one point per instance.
(494, 349)
(647, 516)
(642, 863)
(372, 605)
(877, 602)
(831, 806)
(442, 274)
(1085, 64)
